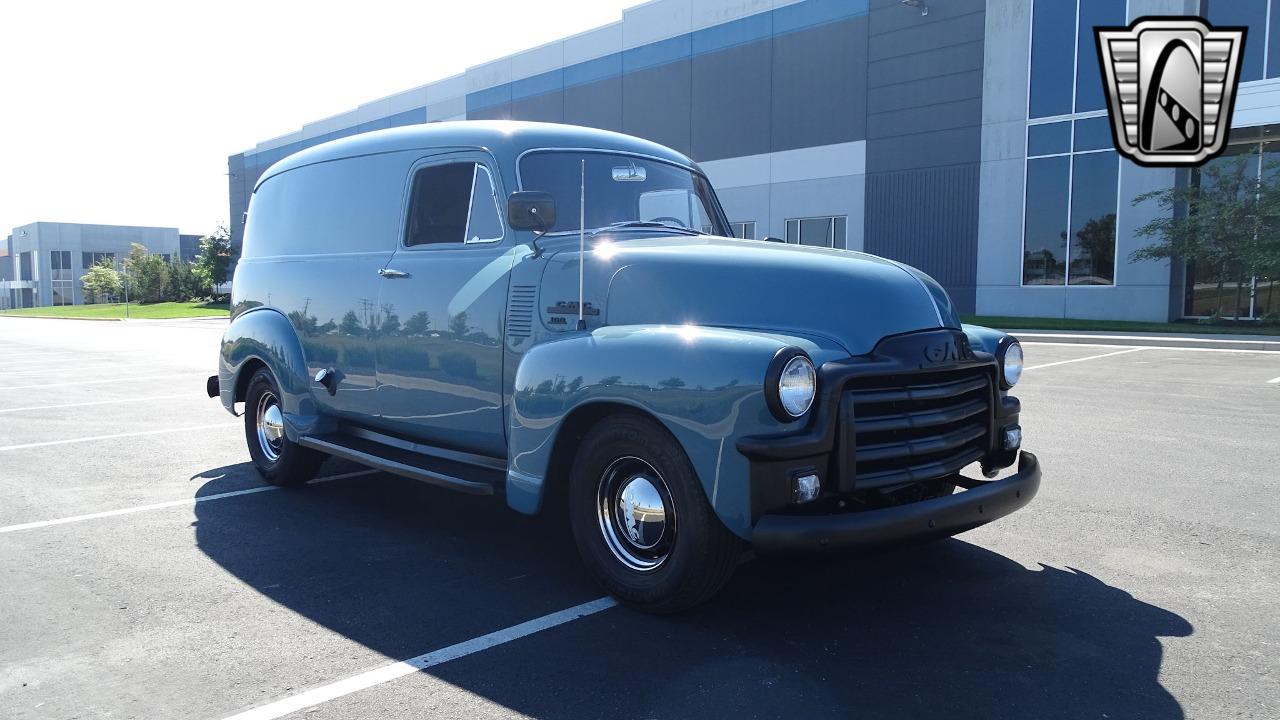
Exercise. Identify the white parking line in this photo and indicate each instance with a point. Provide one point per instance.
(79, 368)
(92, 438)
(1149, 347)
(103, 402)
(126, 378)
(1091, 357)
(1273, 381)
(170, 504)
(387, 673)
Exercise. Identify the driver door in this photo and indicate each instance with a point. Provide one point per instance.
(443, 295)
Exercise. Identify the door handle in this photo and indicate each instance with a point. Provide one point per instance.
(390, 274)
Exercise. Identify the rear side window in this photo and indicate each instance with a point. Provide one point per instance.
(350, 205)
(453, 203)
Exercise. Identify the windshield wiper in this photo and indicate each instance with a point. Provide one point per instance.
(646, 224)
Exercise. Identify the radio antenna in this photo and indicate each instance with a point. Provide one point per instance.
(582, 238)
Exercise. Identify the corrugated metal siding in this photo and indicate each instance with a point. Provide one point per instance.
(928, 218)
(924, 139)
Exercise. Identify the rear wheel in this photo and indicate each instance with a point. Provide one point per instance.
(279, 460)
(641, 520)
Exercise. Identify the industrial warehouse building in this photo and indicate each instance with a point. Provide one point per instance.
(968, 138)
(41, 263)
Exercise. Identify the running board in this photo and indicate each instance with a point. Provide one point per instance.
(398, 461)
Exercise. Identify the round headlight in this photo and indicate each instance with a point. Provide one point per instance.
(1011, 364)
(797, 385)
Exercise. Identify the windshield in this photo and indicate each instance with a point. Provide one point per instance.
(622, 189)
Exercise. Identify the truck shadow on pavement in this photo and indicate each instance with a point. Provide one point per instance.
(949, 630)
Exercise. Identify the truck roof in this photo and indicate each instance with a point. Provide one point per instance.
(504, 138)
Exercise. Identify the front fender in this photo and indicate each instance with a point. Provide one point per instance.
(266, 335)
(705, 385)
(984, 338)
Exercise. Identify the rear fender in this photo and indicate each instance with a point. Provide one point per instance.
(264, 335)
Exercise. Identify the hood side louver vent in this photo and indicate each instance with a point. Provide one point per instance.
(520, 310)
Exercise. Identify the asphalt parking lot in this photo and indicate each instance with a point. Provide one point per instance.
(145, 571)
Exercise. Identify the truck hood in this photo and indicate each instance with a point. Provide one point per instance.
(852, 298)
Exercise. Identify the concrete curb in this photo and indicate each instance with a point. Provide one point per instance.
(62, 317)
(1229, 342)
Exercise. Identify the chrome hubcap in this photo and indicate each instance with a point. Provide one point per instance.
(637, 518)
(270, 422)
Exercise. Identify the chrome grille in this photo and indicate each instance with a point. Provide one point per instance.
(918, 427)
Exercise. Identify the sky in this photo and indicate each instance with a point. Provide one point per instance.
(124, 113)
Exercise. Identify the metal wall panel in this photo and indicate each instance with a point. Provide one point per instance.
(730, 115)
(657, 104)
(924, 139)
(595, 104)
(928, 218)
(819, 85)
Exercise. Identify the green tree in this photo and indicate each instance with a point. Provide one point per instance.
(458, 324)
(101, 282)
(350, 324)
(213, 263)
(184, 283)
(1224, 220)
(148, 275)
(418, 324)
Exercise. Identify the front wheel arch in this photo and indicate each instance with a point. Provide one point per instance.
(572, 430)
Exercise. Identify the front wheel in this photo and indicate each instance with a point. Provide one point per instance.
(279, 460)
(641, 520)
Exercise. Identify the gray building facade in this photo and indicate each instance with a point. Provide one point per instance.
(948, 134)
(49, 258)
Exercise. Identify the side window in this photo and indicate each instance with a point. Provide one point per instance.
(453, 203)
(485, 223)
(439, 204)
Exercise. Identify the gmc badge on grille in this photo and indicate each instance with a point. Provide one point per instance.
(948, 351)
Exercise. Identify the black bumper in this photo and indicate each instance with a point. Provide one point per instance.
(939, 517)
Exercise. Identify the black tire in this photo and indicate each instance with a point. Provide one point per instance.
(691, 562)
(279, 460)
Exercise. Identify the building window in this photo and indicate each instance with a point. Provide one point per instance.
(1064, 65)
(1253, 14)
(818, 231)
(1069, 231)
(1226, 290)
(89, 259)
(62, 277)
(745, 230)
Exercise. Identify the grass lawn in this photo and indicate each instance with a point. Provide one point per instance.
(153, 311)
(1029, 323)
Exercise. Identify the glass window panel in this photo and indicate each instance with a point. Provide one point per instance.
(441, 198)
(1045, 231)
(815, 232)
(485, 224)
(1052, 57)
(1093, 13)
(1094, 134)
(1049, 139)
(1267, 301)
(1214, 290)
(840, 236)
(1093, 219)
(1252, 14)
(793, 231)
(1273, 57)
